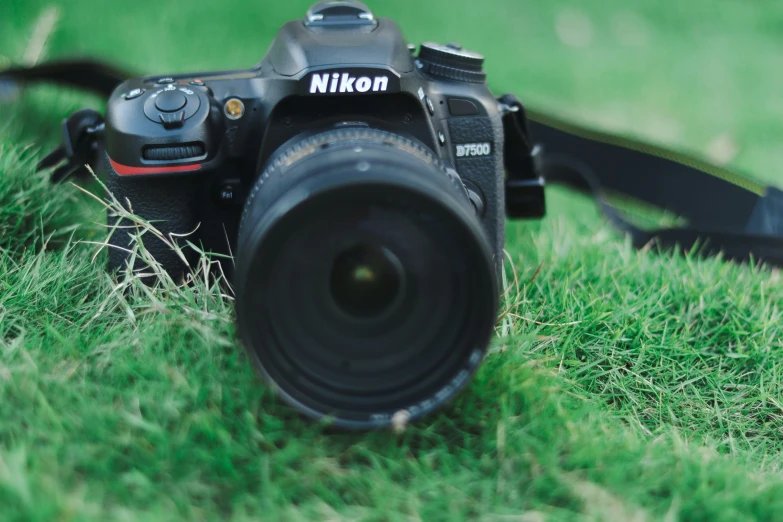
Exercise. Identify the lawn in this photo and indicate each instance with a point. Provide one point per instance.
(622, 385)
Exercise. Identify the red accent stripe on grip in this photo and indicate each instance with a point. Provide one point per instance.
(124, 170)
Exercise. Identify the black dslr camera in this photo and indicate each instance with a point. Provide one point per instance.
(360, 186)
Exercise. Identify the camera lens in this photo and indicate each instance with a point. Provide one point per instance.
(365, 285)
(366, 280)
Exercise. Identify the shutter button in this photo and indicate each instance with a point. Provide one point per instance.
(170, 101)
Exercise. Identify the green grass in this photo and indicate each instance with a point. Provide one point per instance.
(622, 385)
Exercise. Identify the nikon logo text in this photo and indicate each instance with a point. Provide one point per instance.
(345, 83)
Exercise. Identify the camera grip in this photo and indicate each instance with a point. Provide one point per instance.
(485, 171)
(167, 202)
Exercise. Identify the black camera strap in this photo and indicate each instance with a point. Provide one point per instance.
(725, 212)
(88, 75)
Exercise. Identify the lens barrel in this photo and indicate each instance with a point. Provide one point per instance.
(365, 284)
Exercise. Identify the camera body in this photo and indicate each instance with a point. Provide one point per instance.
(185, 150)
(360, 190)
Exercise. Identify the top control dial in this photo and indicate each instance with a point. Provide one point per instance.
(451, 62)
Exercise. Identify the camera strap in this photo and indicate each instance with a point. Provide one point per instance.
(724, 212)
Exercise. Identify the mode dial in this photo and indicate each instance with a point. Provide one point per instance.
(171, 105)
(451, 62)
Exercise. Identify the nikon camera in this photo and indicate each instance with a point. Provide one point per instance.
(357, 186)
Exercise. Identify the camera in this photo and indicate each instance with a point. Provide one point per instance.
(358, 185)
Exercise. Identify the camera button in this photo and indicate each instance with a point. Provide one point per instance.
(441, 138)
(227, 192)
(430, 107)
(204, 87)
(170, 101)
(135, 93)
(165, 81)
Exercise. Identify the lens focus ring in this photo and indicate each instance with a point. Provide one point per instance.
(302, 149)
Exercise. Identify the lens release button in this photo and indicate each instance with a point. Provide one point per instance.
(170, 101)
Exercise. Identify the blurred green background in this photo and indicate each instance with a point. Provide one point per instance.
(703, 74)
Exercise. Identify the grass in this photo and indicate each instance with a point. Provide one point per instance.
(622, 385)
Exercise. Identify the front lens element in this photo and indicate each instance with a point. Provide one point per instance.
(366, 280)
